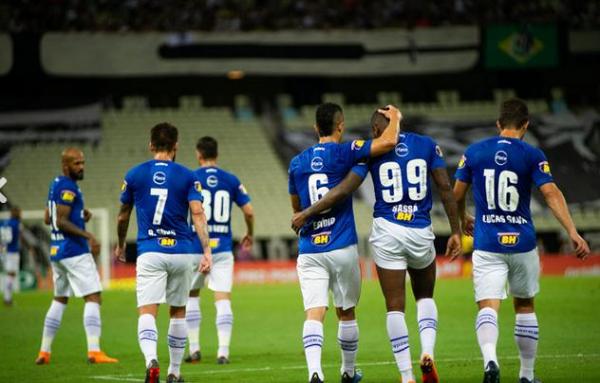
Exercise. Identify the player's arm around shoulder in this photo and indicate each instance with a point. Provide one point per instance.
(389, 138)
(557, 203)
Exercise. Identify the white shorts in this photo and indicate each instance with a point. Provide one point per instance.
(337, 270)
(11, 262)
(163, 278)
(75, 276)
(491, 271)
(220, 277)
(397, 247)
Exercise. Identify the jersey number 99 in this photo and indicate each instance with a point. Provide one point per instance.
(390, 177)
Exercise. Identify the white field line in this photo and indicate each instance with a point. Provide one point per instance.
(129, 377)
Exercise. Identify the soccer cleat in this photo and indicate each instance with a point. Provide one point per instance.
(152, 372)
(95, 357)
(194, 357)
(173, 379)
(492, 373)
(315, 378)
(428, 369)
(222, 360)
(43, 358)
(525, 380)
(357, 377)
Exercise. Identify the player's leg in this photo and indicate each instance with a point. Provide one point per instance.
(54, 314)
(193, 314)
(11, 266)
(220, 281)
(490, 273)
(422, 270)
(179, 278)
(523, 279)
(314, 283)
(345, 282)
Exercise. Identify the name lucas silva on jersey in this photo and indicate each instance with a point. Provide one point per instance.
(493, 218)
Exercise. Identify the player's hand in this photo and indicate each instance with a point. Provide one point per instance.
(468, 225)
(206, 262)
(453, 247)
(582, 249)
(120, 253)
(94, 246)
(298, 220)
(246, 242)
(87, 215)
(391, 113)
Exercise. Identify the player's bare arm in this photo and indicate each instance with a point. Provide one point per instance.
(248, 239)
(66, 226)
(389, 138)
(442, 182)
(557, 203)
(47, 216)
(334, 196)
(87, 215)
(201, 226)
(122, 226)
(295, 200)
(460, 194)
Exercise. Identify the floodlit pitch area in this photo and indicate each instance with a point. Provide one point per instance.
(267, 347)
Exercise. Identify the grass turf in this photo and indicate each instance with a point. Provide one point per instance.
(266, 345)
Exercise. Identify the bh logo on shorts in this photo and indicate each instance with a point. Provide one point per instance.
(321, 238)
(508, 239)
(316, 164)
(401, 150)
(404, 217)
(501, 158)
(167, 242)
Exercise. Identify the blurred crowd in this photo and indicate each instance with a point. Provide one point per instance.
(234, 15)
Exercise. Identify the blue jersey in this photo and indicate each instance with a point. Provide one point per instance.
(64, 191)
(501, 171)
(10, 232)
(219, 189)
(401, 180)
(311, 174)
(161, 192)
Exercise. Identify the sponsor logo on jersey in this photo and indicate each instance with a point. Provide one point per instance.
(54, 250)
(316, 164)
(214, 243)
(67, 196)
(462, 162)
(321, 238)
(124, 186)
(404, 216)
(544, 167)
(401, 150)
(357, 144)
(198, 186)
(212, 181)
(508, 239)
(167, 242)
(501, 158)
(159, 178)
(242, 189)
(438, 151)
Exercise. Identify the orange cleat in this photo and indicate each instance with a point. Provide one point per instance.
(43, 358)
(100, 357)
(428, 369)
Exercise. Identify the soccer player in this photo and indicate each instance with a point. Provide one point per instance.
(163, 192)
(501, 170)
(402, 236)
(328, 256)
(219, 189)
(73, 268)
(11, 239)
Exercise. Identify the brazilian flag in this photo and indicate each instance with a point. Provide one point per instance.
(521, 46)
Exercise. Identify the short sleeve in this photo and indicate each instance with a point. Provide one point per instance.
(291, 184)
(66, 194)
(464, 171)
(240, 193)
(127, 189)
(361, 170)
(540, 168)
(437, 156)
(356, 151)
(194, 189)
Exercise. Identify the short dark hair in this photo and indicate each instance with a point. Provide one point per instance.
(326, 118)
(208, 147)
(379, 119)
(163, 137)
(513, 114)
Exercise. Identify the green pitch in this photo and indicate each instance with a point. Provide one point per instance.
(266, 345)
